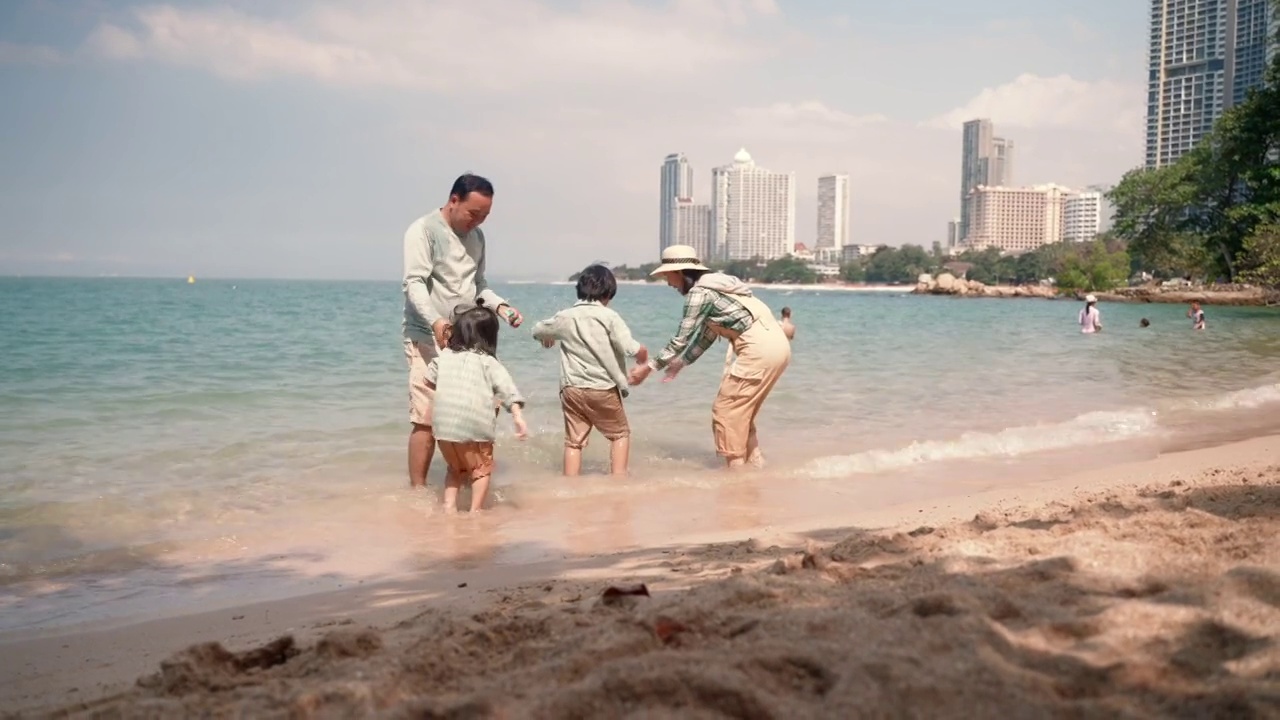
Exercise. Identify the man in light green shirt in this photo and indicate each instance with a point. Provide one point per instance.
(444, 268)
(595, 343)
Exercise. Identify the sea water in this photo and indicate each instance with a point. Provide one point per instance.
(164, 444)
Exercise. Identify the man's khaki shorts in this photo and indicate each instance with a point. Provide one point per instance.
(585, 408)
(418, 355)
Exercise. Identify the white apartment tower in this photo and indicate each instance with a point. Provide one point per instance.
(1203, 57)
(984, 160)
(676, 183)
(833, 211)
(693, 226)
(753, 211)
(953, 233)
(1085, 215)
(1015, 220)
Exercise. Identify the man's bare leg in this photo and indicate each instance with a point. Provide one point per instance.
(572, 461)
(619, 455)
(422, 446)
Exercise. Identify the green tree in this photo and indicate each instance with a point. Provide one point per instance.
(853, 272)
(898, 265)
(788, 269)
(1260, 259)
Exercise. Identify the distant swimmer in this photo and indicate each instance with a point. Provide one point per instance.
(788, 327)
(1196, 315)
(1090, 318)
(1144, 323)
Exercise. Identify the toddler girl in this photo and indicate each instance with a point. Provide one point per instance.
(466, 378)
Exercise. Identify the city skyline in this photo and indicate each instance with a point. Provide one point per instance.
(306, 138)
(1204, 56)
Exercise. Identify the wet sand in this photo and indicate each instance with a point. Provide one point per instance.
(1150, 588)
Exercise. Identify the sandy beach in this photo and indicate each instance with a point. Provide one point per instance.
(1150, 588)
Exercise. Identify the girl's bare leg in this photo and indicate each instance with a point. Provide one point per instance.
(452, 481)
(479, 493)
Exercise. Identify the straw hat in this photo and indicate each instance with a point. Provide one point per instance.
(1090, 299)
(679, 257)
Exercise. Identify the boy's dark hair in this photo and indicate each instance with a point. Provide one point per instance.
(476, 329)
(597, 284)
(468, 183)
(786, 312)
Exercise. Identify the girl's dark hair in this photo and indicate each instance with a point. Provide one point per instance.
(475, 329)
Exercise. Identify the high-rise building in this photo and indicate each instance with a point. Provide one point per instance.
(1256, 25)
(984, 160)
(833, 211)
(753, 211)
(1015, 219)
(1085, 215)
(953, 233)
(677, 182)
(693, 226)
(1204, 56)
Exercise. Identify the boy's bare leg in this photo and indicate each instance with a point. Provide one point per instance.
(572, 461)
(479, 493)
(422, 446)
(452, 481)
(619, 455)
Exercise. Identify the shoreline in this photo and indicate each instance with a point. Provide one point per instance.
(42, 669)
(1246, 296)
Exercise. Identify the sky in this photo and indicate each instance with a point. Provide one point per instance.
(295, 139)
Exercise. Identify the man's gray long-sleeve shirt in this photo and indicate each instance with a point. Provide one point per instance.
(441, 272)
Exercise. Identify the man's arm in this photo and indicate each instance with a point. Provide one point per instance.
(418, 266)
(697, 306)
(491, 299)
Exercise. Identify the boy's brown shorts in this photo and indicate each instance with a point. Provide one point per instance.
(468, 460)
(585, 408)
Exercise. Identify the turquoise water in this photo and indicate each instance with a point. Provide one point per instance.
(151, 430)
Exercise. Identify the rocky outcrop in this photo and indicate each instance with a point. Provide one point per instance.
(1218, 294)
(948, 284)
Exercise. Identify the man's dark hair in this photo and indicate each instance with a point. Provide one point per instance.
(475, 328)
(597, 284)
(468, 183)
(786, 312)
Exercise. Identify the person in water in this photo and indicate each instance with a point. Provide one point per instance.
(717, 305)
(1144, 323)
(788, 327)
(465, 377)
(595, 343)
(1196, 315)
(1090, 318)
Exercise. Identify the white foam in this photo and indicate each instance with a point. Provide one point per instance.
(1094, 427)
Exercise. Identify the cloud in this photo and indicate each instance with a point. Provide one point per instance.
(17, 54)
(450, 47)
(810, 121)
(1032, 101)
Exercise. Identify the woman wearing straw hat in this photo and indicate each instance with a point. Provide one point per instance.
(718, 305)
(1090, 318)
